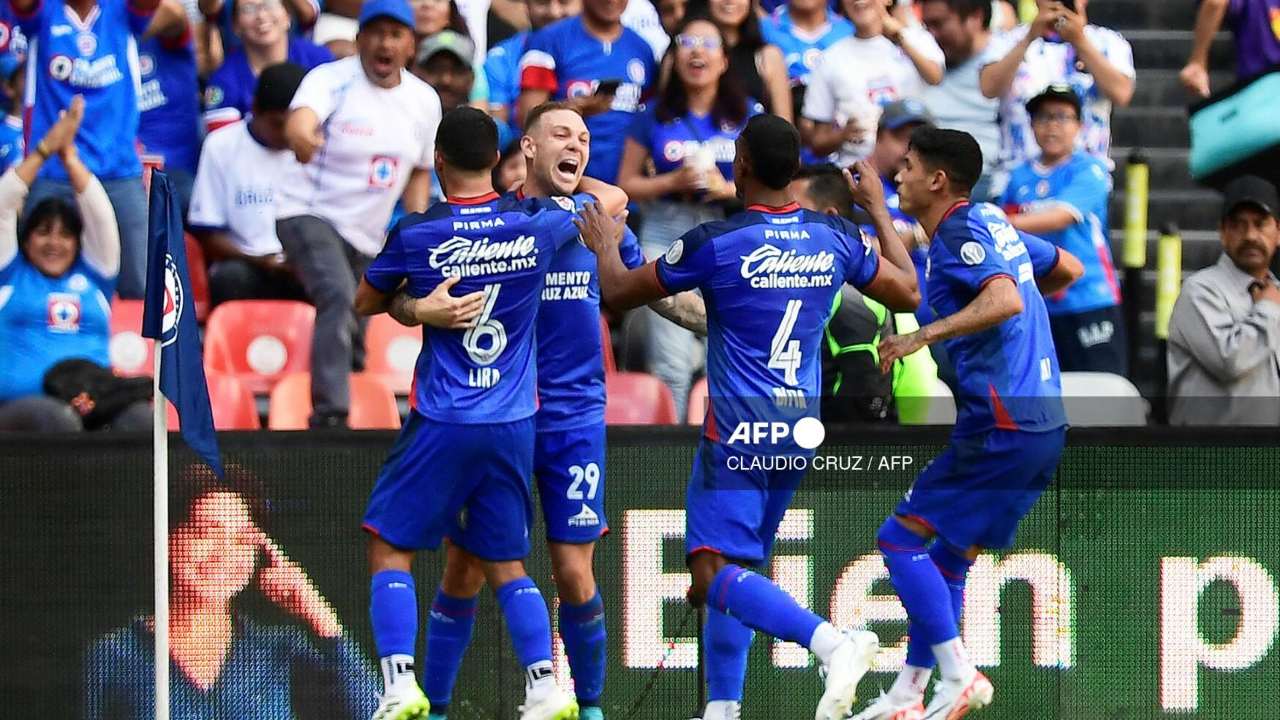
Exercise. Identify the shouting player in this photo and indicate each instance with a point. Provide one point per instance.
(569, 446)
(461, 465)
(768, 277)
(1010, 425)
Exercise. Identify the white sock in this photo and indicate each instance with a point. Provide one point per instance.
(539, 681)
(953, 661)
(397, 673)
(910, 683)
(723, 710)
(825, 640)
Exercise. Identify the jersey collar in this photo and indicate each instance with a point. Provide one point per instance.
(772, 210)
(473, 200)
(951, 211)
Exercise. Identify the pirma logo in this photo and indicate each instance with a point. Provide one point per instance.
(173, 299)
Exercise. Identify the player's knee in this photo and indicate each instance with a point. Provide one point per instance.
(703, 568)
(897, 531)
(385, 556)
(463, 575)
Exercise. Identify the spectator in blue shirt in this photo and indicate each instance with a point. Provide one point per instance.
(1062, 196)
(218, 551)
(11, 84)
(502, 65)
(170, 125)
(688, 135)
(263, 27)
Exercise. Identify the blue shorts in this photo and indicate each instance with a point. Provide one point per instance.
(569, 466)
(736, 501)
(979, 489)
(467, 482)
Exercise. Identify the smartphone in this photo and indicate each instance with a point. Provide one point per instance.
(1069, 4)
(608, 87)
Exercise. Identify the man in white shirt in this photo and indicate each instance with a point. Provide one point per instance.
(363, 130)
(233, 210)
(883, 62)
(960, 29)
(1058, 47)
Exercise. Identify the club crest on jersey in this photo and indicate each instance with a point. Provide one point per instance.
(146, 64)
(636, 71)
(383, 171)
(565, 203)
(580, 88)
(972, 253)
(60, 67)
(173, 302)
(63, 312)
(5, 35)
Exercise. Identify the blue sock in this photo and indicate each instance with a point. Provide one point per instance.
(954, 567)
(448, 635)
(726, 644)
(582, 627)
(761, 605)
(527, 620)
(919, 584)
(919, 654)
(393, 609)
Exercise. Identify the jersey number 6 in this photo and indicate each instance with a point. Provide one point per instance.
(488, 338)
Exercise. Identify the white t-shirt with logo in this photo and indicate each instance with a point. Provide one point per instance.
(858, 74)
(374, 138)
(236, 186)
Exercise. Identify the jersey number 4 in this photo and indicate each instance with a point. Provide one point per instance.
(486, 340)
(784, 353)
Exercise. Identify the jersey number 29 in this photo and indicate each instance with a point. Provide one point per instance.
(486, 340)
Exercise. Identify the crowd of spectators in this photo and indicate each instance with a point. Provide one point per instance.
(296, 134)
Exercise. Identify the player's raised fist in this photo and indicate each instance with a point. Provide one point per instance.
(864, 183)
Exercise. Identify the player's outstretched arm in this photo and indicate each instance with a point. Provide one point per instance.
(895, 284)
(370, 300)
(611, 197)
(996, 302)
(685, 309)
(620, 288)
(1067, 270)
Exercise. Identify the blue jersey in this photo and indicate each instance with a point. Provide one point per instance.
(567, 61)
(11, 145)
(11, 37)
(170, 103)
(47, 320)
(802, 50)
(502, 75)
(671, 144)
(229, 95)
(768, 277)
(97, 57)
(1008, 374)
(500, 245)
(570, 370)
(1082, 187)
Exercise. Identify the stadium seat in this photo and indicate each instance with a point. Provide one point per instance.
(199, 271)
(606, 342)
(259, 341)
(373, 405)
(130, 354)
(637, 399)
(1102, 399)
(699, 397)
(391, 352)
(232, 403)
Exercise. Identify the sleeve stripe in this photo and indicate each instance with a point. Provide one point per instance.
(657, 278)
(538, 78)
(995, 277)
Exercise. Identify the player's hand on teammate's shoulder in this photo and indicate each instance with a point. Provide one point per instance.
(895, 347)
(600, 232)
(864, 183)
(440, 309)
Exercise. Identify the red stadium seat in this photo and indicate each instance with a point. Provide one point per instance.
(373, 405)
(606, 341)
(259, 341)
(232, 403)
(199, 271)
(131, 355)
(699, 401)
(391, 352)
(637, 399)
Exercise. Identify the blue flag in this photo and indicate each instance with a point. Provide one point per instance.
(169, 317)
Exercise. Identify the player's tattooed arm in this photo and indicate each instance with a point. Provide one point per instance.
(685, 309)
(439, 309)
(620, 288)
(996, 302)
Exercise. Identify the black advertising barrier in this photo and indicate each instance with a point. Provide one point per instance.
(1143, 585)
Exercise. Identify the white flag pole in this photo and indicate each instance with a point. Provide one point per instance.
(160, 532)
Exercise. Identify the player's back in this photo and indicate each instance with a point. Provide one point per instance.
(768, 277)
(501, 246)
(1008, 374)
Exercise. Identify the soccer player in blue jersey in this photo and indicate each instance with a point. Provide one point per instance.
(985, 283)
(768, 277)
(604, 69)
(462, 463)
(569, 449)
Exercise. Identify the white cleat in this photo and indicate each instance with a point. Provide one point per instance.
(557, 705)
(409, 704)
(953, 699)
(850, 661)
(887, 707)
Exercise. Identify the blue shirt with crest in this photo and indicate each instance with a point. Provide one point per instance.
(170, 103)
(802, 50)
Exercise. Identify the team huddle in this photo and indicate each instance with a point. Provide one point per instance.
(510, 386)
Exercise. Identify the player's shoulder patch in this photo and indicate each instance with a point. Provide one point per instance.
(972, 253)
(675, 252)
(564, 203)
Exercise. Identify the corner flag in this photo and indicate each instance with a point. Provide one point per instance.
(169, 317)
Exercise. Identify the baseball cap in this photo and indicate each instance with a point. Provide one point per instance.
(901, 113)
(1056, 91)
(1250, 190)
(397, 10)
(455, 43)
